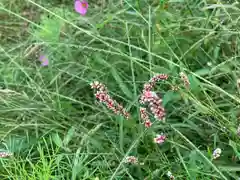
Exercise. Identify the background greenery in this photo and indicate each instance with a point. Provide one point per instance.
(51, 121)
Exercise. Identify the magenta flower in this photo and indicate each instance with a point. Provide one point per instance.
(81, 6)
(44, 60)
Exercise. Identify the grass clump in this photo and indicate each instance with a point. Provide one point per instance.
(56, 129)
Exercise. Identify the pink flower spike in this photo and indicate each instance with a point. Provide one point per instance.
(81, 6)
(44, 60)
(131, 160)
(147, 124)
(160, 138)
(5, 154)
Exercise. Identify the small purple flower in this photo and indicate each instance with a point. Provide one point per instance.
(81, 6)
(44, 60)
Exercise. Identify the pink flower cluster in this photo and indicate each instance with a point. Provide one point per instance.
(151, 99)
(160, 138)
(145, 117)
(5, 154)
(103, 96)
(185, 79)
(131, 160)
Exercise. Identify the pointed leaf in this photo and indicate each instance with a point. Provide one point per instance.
(68, 136)
(121, 84)
(57, 140)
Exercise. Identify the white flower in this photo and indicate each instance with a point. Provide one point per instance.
(209, 63)
(169, 174)
(216, 153)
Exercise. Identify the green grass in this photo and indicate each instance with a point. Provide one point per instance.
(52, 123)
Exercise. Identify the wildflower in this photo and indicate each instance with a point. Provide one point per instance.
(144, 116)
(160, 138)
(81, 6)
(151, 99)
(5, 154)
(152, 82)
(131, 160)
(103, 96)
(154, 104)
(184, 79)
(158, 77)
(169, 174)
(216, 153)
(44, 60)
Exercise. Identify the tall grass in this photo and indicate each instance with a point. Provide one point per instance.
(56, 129)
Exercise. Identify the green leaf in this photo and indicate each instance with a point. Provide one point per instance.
(194, 84)
(234, 146)
(57, 140)
(170, 97)
(203, 72)
(121, 84)
(69, 136)
(230, 168)
(50, 30)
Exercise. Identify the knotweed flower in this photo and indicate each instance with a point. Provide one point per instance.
(152, 82)
(81, 6)
(44, 60)
(151, 99)
(185, 79)
(5, 154)
(154, 103)
(169, 174)
(144, 116)
(158, 77)
(216, 153)
(131, 160)
(160, 138)
(103, 96)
